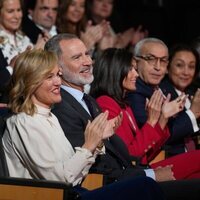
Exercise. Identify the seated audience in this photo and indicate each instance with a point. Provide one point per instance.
(117, 68)
(152, 62)
(73, 114)
(76, 108)
(34, 142)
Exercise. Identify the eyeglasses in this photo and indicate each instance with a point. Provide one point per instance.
(152, 60)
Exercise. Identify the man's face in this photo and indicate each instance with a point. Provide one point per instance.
(45, 13)
(76, 63)
(152, 63)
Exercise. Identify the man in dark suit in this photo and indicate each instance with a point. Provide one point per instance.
(40, 19)
(152, 60)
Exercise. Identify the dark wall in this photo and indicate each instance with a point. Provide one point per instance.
(170, 20)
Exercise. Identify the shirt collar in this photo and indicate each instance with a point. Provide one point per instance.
(77, 94)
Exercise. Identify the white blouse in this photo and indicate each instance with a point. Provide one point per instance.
(36, 147)
(11, 45)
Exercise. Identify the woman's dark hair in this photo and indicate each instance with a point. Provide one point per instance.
(184, 47)
(110, 69)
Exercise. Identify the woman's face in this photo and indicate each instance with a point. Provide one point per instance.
(102, 8)
(75, 11)
(129, 82)
(11, 15)
(48, 92)
(182, 69)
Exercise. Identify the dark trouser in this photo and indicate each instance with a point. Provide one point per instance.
(181, 190)
(142, 188)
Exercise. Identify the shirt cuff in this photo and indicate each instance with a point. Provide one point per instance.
(193, 120)
(150, 173)
(10, 69)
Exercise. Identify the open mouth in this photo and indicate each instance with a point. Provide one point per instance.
(86, 71)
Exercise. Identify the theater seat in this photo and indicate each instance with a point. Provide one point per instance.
(28, 189)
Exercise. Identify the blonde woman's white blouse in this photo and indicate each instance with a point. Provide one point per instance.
(36, 147)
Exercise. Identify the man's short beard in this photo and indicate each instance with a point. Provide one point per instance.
(76, 78)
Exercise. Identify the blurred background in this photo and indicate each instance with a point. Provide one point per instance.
(170, 20)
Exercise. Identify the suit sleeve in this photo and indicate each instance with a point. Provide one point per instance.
(137, 102)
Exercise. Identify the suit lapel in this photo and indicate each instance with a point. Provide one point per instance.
(69, 99)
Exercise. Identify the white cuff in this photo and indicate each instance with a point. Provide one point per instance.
(193, 120)
(10, 69)
(150, 173)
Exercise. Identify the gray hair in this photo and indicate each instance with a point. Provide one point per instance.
(53, 44)
(141, 43)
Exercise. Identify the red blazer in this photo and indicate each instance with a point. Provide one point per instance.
(145, 142)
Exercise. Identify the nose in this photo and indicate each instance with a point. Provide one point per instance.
(17, 14)
(157, 65)
(78, 8)
(186, 70)
(87, 60)
(51, 13)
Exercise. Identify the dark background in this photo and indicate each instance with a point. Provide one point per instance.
(170, 20)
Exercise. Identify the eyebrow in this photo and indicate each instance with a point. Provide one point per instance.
(156, 56)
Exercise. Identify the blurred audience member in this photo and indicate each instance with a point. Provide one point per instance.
(40, 19)
(72, 19)
(102, 10)
(12, 40)
(183, 68)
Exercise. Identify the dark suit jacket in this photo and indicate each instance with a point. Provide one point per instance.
(30, 29)
(180, 126)
(4, 76)
(115, 164)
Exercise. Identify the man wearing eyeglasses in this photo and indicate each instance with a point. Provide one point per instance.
(151, 55)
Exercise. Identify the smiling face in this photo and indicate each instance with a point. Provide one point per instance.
(152, 73)
(75, 11)
(11, 15)
(76, 63)
(45, 13)
(48, 92)
(129, 82)
(182, 69)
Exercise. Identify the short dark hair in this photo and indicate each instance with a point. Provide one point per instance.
(53, 44)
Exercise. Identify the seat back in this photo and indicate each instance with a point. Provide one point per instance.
(28, 189)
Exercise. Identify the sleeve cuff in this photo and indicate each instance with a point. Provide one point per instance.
(10, 69)
(193, 120)
(150, 173)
